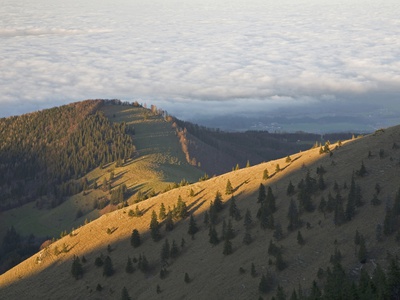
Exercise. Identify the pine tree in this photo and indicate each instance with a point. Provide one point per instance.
(229, 233)
(265, 174)
(125, 294)
(262, 196)
(234, 211)
(206, 220)
(135, 238)
(192, 227)
(339, 216)
(350, 208)
(362, 252)
(265, 284)
(162, 213)
(270, 200)
(108, 269)
(396, 205)
(248, 221)
(218, 202)
(375, 201)
(247, 239)
(213, 213)
(280, 264)
(389, 222)
(227, 247)
(77, 269)
(212, 233)
(181, 209)
(280, 293)
(165, 251)
(129, 266)
(277, 168)
(174, 250)
(229, 188)
(169, 223)
(290, 189)
(278, 233)
(155, 227)
(187, 278)
(293, 216)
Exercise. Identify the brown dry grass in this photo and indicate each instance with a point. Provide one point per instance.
(215, 276)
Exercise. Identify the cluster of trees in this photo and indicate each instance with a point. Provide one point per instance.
(45, 153)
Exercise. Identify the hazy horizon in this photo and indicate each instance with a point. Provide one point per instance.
(204, 59)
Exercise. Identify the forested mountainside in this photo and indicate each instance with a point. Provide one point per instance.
(320, 224)
(43, 154)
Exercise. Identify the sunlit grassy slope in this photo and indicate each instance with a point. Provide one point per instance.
(214, 275)
(159, 162)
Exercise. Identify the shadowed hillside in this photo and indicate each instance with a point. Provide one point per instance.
(318, 223)
(218, 152)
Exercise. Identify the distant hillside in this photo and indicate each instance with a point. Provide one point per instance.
(218, 152)
(320, 224)
(44, 154)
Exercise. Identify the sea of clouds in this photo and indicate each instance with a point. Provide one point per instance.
(201, 57)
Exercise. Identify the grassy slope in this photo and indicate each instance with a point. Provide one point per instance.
(160, 162)
(215, 275)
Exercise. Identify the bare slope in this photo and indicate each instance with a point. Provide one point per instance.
(214, 275)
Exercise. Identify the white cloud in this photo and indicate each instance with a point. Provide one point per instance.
(235, 55)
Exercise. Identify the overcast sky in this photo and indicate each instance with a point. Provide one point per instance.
(229, 56)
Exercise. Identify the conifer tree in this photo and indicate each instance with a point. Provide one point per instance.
(248, 221)
(229, 233)
(362, 252)
(247, 239)
(234, 211)
(135, 238)
(206, 219)
(262, 196)
(165, 251)
(129, 266)
(339, 216)
(265, 174)
(229, 188)
(212, 233)
(77, 269)
(213, 213)
(169, 222)
(280, 293)
(218, 202)
(174, 250)
(396, 205)
(277, 168)
(280, 264)
(162, 213)
(389, 222)
(270, 200)
(375, 201)
(290, 189)
(125, 294)
(108, 269)
(227, 247)
(193, 229)
(187, 278)
(154, 227)
(278, 233)
(265, 284)
(293, 216)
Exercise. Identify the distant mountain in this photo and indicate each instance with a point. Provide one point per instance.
(319, 224)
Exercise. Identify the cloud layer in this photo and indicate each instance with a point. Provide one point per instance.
(236, 55)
